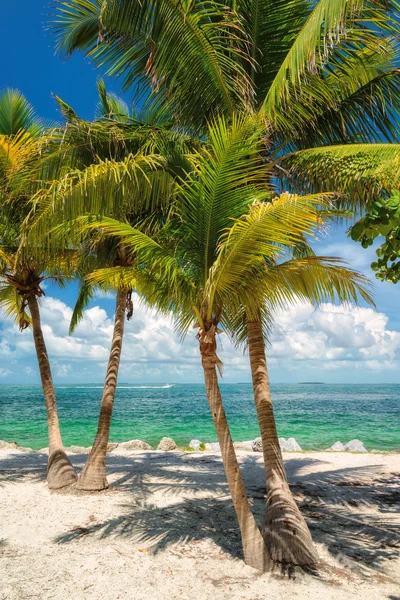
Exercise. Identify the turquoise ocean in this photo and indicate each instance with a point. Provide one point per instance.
(317, 415)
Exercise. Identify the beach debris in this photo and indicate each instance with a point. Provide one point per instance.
(167, 444)
(135, 445)
(257, 445)
(336, 447)
(207, 446)
(355, 446)
(195, 444)
(289, 445)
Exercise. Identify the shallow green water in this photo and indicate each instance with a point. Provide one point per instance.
(316, 415)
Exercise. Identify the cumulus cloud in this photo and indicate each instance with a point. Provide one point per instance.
(335, 335)
(328, 338)
(5, 372)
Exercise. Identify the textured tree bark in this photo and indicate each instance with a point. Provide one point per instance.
(253, 545)
(60, 471)
(285, 531)
(93, 476)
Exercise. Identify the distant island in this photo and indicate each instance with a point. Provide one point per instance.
(311, 383)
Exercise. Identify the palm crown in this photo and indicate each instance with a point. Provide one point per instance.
(318, 74)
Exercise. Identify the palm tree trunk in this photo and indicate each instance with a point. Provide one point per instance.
(93, 476)
(60, 471)
(252, 542)
(285, 531)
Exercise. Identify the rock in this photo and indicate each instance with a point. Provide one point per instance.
(257, 445)
(111, 446)
(78, 449)
(246, 446)
(289, 445)
(135, 445)
(336, 447)
(8, 445)
(213, 446)
(195, 444)
(355, 446)
(167, 444)
(42, 451)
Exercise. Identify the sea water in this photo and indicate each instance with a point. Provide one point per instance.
(317, 415)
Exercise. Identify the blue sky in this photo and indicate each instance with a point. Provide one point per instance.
(333, 343)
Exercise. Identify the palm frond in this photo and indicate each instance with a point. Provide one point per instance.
(332, 37)
(85, 294)
(11, 302)
(361, 172)
(16, 114)
(261, 233)
(111, 188)
(177, 47)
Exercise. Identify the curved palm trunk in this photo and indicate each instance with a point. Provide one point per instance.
(252, 541)
(93, 476)
(285, 531)
(60, 471)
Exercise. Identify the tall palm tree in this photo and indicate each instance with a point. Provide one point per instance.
(203, 267)
(20, 276)
(312, 279)
(122, 166)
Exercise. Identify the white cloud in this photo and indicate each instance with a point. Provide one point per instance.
(63, 370)
(330, 338)
(338, 334)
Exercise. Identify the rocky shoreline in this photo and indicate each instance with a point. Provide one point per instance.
(168, 445)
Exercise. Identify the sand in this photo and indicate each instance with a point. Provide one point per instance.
(166, 529)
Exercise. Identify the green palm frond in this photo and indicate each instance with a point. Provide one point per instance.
(16, 114)
(226, 179)
(362, 172)
(85, 294)
(314, 279)
(263, 232)
(177, 47)
(352, 98)
(11, 303)
(77, 25)
(365, 113)
(271, 28)
(115, 278)
(108, 187)
(110, 105)
(331, 24)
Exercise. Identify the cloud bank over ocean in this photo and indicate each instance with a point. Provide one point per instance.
(354, 342)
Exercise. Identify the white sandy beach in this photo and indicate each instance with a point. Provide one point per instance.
(166, 529)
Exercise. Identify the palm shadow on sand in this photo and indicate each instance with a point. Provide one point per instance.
(335, 503)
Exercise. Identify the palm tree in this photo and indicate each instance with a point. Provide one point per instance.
(20, 276)
(205, 266)
(313, 279)
(118, 171)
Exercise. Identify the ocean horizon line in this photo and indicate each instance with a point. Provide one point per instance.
(100, 384)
